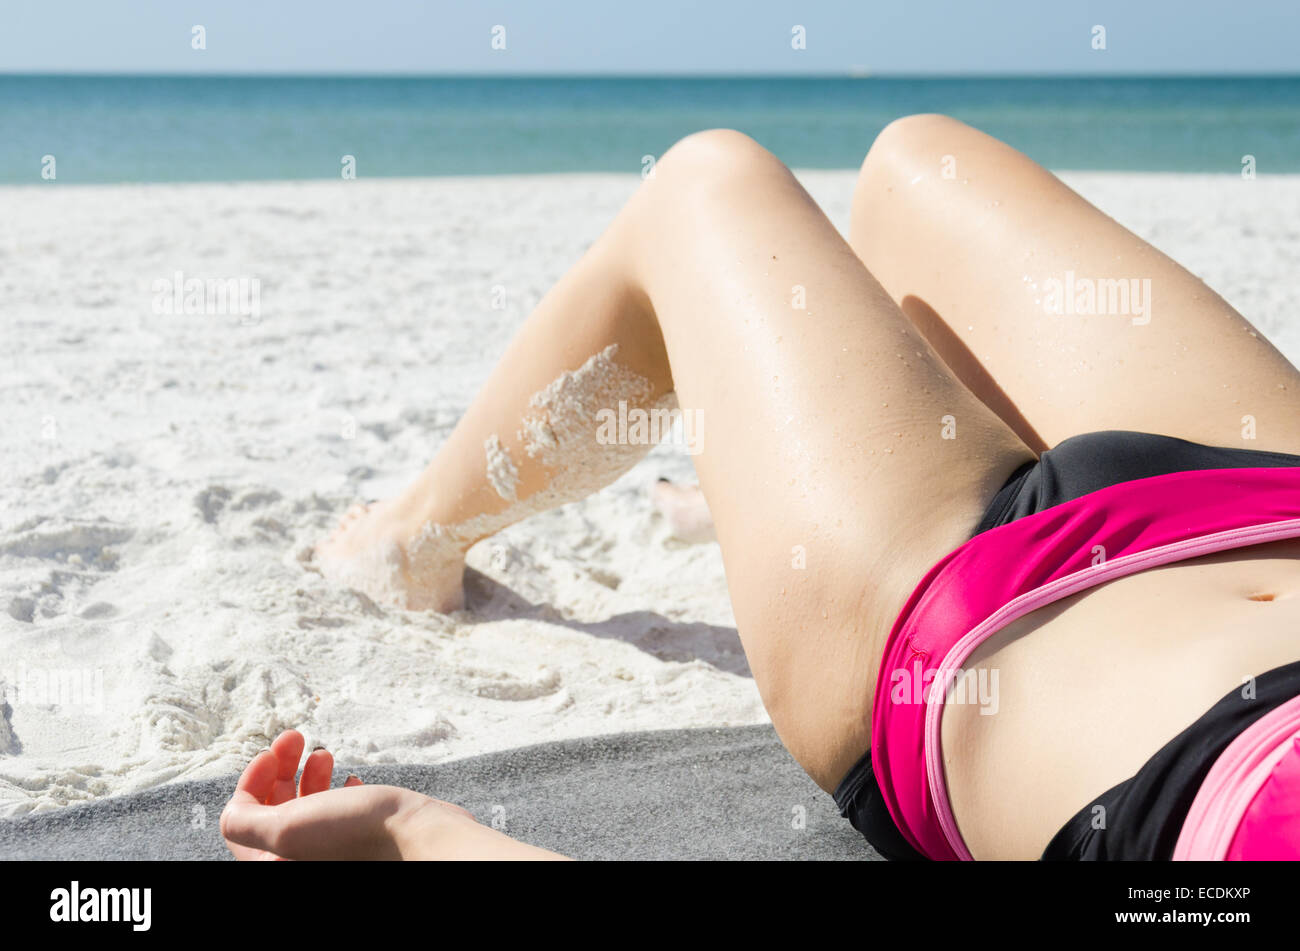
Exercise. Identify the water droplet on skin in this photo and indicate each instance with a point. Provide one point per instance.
(970, 326)
(889, 450)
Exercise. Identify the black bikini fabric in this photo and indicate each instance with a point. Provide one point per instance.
(1139, 820)
(1072, 468)
(1092, 461)
(861, 802)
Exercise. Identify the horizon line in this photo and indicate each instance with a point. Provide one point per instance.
(835, 74)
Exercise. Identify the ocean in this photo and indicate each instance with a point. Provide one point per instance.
(172, 129)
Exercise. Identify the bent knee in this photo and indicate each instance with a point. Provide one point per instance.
(907, 148)
(924, 137)
(715, 154)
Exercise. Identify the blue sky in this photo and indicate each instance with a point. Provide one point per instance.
(662, 37)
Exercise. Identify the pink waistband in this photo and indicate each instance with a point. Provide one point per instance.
(1004, 573)
(1248, 806)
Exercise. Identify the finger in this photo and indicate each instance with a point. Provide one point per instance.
(316, 772)
(288, 747)
(352, 780)
(243, 853)
(288, 750)
(255, 784)
(250, 824)
(238, 821)
(259, 776)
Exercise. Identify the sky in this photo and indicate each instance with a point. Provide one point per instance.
(897, 37)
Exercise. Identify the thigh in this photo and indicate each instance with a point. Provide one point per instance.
(840, 456)
(1060, 318)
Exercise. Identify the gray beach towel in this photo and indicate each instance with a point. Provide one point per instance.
(732, 793)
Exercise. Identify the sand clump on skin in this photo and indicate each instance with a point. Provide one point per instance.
(501, 470)
(560, 432)
(567, 408)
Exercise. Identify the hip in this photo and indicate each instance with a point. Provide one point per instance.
(1107, 678)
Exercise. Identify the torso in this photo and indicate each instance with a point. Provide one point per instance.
(1088, 688)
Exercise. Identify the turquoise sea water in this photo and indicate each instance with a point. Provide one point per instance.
(148, 129)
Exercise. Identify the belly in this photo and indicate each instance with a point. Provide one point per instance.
(1088, 688)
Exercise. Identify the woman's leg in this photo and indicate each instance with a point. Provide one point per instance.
(968, 235)
(839, 456)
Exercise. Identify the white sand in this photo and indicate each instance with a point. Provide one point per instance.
(162, 471)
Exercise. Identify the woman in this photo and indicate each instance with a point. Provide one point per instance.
(1097, 491)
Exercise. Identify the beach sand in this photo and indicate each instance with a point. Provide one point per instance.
(164, 472)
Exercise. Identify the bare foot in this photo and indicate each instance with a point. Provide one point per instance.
(685, 510)
(378, 551)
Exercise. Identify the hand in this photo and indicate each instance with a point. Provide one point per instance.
(268, 819)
